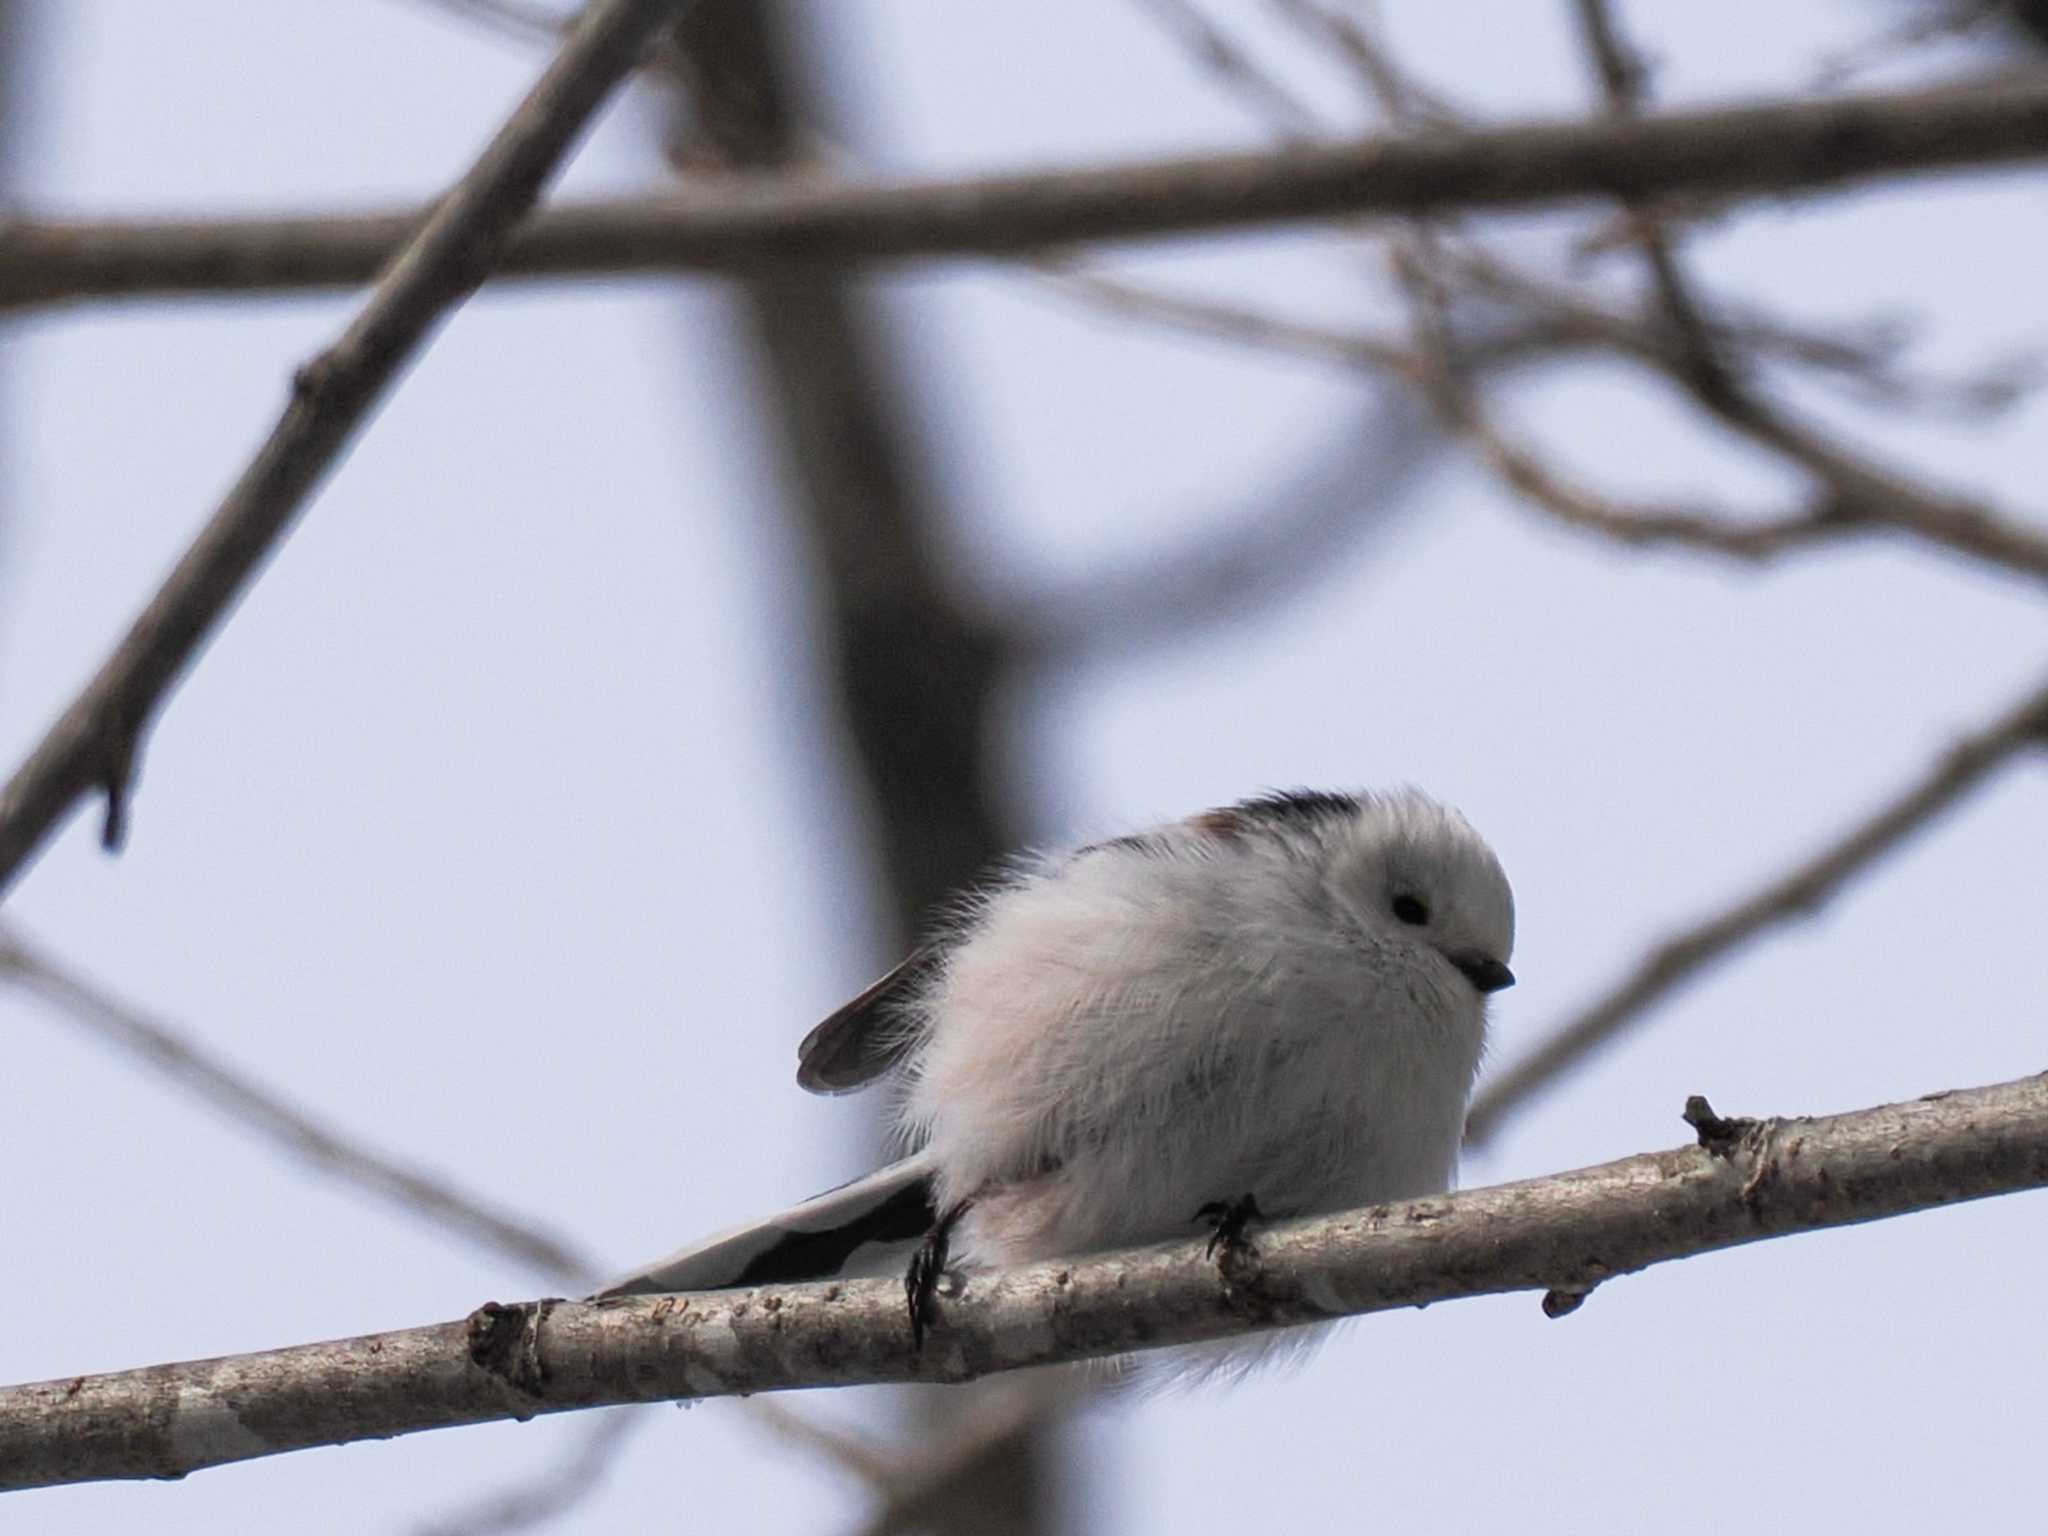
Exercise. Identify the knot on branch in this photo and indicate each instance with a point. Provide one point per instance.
(505, 1342)
(1564, 1300)
(314, 378)
(1719, 1136)
(117, 778)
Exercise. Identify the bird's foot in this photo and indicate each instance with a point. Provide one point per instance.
(1228, 1220)
(927, 1268)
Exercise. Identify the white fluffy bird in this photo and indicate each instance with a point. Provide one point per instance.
(1275, 1009)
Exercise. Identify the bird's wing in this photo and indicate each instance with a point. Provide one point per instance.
(815, 1240)
(863, 1039)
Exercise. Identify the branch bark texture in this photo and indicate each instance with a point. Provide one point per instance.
(1564, 1235)
(1727, 152)
(95, 742)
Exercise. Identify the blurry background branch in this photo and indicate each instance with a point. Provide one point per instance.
(915, 670)
(98, 739)
(920, 661)
(1726, 152)
(381, 1176)
(542, 1499)
(294, 1130)
(1798, 893)
(448, 1209)
(1565, 1235)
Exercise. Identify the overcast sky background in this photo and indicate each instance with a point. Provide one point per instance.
(504, 822)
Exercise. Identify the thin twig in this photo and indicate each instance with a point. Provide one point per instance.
(1227, 320)
(879, 1466)
(1524, 472)
(1755, 150)
(1797, 894)
(539, 24)
(914, 1483)
(298, 1132)
(1641, 525)
(1856, 500)
(513, 18)
(1348, 486)
(1941, 21)
(1624, 78)
(927, 1482)
(95, 743)
(1863, 359)
(549, 1495)
(1234, 67)
(1447, 385)
(1401, 98)
(1859, 488)
(1867, 360)
(447, 1209)
(1853, 489)
(1563, 1235)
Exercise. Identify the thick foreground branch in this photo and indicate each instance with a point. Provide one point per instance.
(1722, 152)
(1563, 1235)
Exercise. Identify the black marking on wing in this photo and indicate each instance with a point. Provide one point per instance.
(862, 1039)
(905, 1215)
(1152, 844)
(1297, 808)
(1264, 813)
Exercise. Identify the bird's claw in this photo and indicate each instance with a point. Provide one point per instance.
(927, 1269)
(1228, 1220)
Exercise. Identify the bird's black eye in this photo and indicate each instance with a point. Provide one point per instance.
(1411, 910)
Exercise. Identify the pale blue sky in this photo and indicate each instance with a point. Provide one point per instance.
(502, 823)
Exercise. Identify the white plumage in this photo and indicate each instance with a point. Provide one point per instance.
(1284, 1000)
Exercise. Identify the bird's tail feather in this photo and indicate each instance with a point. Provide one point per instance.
(827, 1235)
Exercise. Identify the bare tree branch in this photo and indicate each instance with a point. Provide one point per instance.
(1528, 476)
(555, 1491)
(1228, 321)
(1752, 150)
(95, 743)
(1564, 1235)
(917, 671)
(1943, 21)
(1347, 486)
(878, 1465)
(513, 18)
(1853, 490)
(1864, 359)
(1352, 37)
(1855, 487)
(249, 1103)
(1798, 893)
(964, 1446)
(1623, 81)
(920, 1480)
(1856, 500)
(1436, 365)
(1449, 388)
(343, 1156)
(1234, 68)
(1860, 489)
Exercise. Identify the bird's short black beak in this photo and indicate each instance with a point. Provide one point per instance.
(1484, 972)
